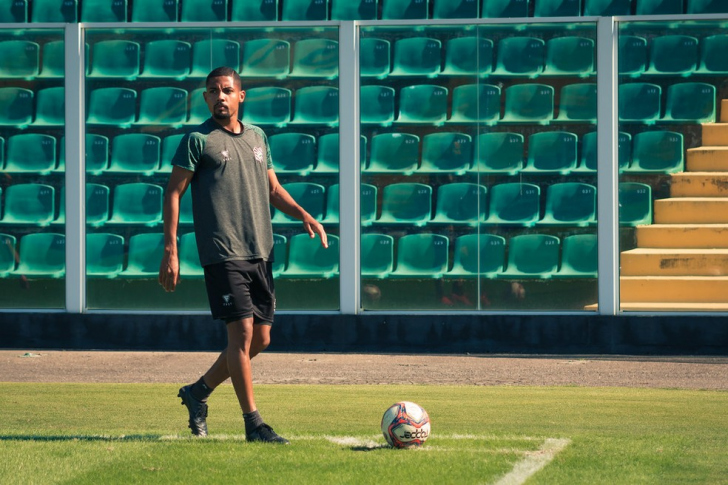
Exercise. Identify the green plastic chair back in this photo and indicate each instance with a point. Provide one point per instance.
(155, 11)
(169, 147)
(423, 104)
(30, 153)
(673, 55)
(97, 206)
(308, 259)
(406, 203)
(53, 59)
(42, 255)
(137, 204)
(449, 152)
(315, 58)
(551, 152)
(589, 152)
(167, 59)
(417, 56)
(690, 103)
(266, 58)
(635, 204)
(532, 256)
(19, 59)
(570, 204)
(468, 56)
(394, 153)
(639, 102)
(97, 153)
(332, 205)
(476, 103)
(529, 103)
(658, 152)
(455, 9)
(569, 56)
(112, 106)
(328, 153)
(267, 106)
(632, 55)
(498, 153)
(557, 8)
(579, 258)
(712, 55)
(254, 11)
(16, 107)
(421, 256)
(8, 253)
(104, 255)
(317, 105)
(374, 58)
(606, 8)
(310, 196)
(2, 154)
(280, 254)
(461, 204)
(103, 11)
(478, 256)
(199, 111)
(514, 203)
(368, 204)
(209, 54)
(115, 59)
(497, 9)
(189, 257)
(14, 11)
(145, 254)
(377, 105)
(706, 6)
(377, 255)
(186, 215)
(578, 103)
(520, 56)
(354, 9)
(163, 106)
(404, 9)
(134, 153)
(29, 204)
(204, 11)
(305, 10)
(658, 7)
(50, 107)
(293, 153)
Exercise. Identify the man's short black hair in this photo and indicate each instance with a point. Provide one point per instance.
(225, 71)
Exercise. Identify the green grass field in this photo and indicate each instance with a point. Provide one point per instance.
(136, 433)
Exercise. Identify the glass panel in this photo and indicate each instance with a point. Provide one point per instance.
(32, 227)
(144, 92)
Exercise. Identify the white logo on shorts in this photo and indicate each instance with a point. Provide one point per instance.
(258, 153)
(226, 299)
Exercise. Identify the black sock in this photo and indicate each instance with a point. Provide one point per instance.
(200, 390)
(252, 421)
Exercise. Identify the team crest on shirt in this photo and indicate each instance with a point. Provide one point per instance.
(258, 153)
(225, 155)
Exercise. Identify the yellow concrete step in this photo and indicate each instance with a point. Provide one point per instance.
(724, 110)
(691, 210)
(668, 289)
(707, 159)
(666, 307)
(683, 236)
(699, 184)
(674, 262)
(715, 134)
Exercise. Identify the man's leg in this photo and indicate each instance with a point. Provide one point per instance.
(240, 339)
(218, 373)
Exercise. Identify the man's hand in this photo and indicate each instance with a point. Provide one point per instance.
(169, 272)
(313, 227)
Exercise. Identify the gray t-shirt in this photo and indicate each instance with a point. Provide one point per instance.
(230, 191)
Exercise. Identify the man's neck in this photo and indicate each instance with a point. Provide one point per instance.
(233, 125)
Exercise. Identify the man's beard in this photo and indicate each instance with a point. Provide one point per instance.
(221, 116)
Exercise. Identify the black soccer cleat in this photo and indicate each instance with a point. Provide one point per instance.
(265, 434)
(197, 410)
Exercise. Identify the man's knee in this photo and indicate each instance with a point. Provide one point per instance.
(262, 340)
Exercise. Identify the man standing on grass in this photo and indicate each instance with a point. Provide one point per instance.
(229, 165)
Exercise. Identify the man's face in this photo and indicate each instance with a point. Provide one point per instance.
(223, 97)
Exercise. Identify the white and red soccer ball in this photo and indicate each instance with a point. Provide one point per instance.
(405, 425)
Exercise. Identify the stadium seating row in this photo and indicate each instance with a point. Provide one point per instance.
(42, 255)
(673, 55)
(267, 10)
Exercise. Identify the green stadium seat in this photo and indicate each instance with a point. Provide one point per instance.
(50, 109)
(199, 111)
(449, 152)
(570, 204)
(169, 147)
(690, 103)
(520, 57)
(332, 205)
(163, 106)
(557, 8)
(589, 152)
(97, 206)
(404, 9)
(14, 11)
(529, 103)
(468, 56)
(498, 153)
(406, 203)
(658, 7)
(317, 105)
(673, 55)
(254, 11)
(19, 59)
(167, 59)
(16, 107)
(137, 204)
(455, 9)
(632, 55)
(354, 9)
(394, 153)
(204, 11)
(315, 58)
(423, 104)
(112, 106)
(368, 204)
(103, 10)
(8, 254)
(657, 152)
(417, 56)
(639, 103)
(189, 257)
(209, 54)
(377, 255)
(293, 153)
(42, 255)
(516, 204)
(578, 103)
(498, 9)
(377, 105)
(64, 11)
(29, 204)
(280, 254)
(635, 204)
(461, 204)
(145, 254)
(532, 256)
(569, 56)
(97, 153)
(607, 8)
(2, 155)
(421, 256)
(307, 259)
(186, 215)
(551, 153)
(267, 106)
(310, 196)
(712, 55)
(115, 59)
(134, 154)
(328, 153)
(476, 103)
(266, 58)
(155, 11)
(104, 255)
(478, 256)
(579, 258)
(30, 153)
(53, 60)
(305, 10)
(374, 57)
(706, 6)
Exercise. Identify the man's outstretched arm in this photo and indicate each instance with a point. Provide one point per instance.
(179, 180)
(282, 200)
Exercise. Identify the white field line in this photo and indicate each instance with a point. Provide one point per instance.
(533, 462)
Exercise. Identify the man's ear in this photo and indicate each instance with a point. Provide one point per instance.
(242, 95)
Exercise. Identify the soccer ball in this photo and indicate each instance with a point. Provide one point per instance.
(405, 425)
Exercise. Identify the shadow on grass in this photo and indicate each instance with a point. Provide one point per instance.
(369, 448)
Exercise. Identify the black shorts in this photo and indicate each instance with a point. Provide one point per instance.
(241, 289)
